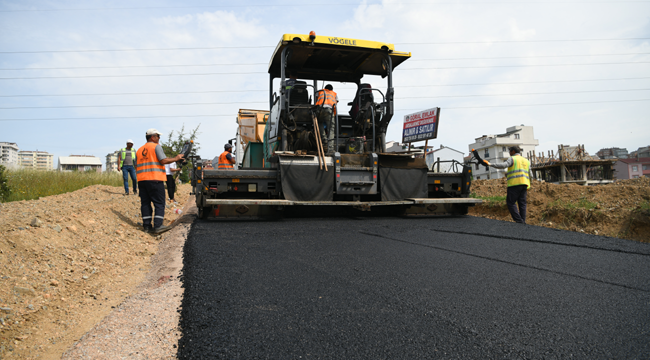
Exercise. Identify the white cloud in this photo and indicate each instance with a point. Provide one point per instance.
(227, 27)
(519, 34)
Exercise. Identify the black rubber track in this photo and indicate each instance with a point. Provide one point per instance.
(396, 288)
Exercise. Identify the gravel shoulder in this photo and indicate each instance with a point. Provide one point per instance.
(70, 261)
(145, 325)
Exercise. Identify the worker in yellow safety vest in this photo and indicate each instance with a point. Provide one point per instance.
(327, 100)
(151, 176)
(126, 160)
(226, 159)
(518, 177)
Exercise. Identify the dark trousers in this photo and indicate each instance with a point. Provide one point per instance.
(152, 191)
(327, 119)
(129, 170)
(171, 186)
(517, 196)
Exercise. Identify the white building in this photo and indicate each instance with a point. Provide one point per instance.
(38, 160)
(79, 163)
(111, 161)
(9, 154)
(494, 148)
(445, 153)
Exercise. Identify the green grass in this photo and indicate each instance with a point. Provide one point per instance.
(33, 184)
(645, 205)
(490, 200)
(570, 205)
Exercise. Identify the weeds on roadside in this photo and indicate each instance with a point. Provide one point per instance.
(490, 201)
(582, 203)
(33, 184)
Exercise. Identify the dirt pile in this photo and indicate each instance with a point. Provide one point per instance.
(65, 262)
(621, 209)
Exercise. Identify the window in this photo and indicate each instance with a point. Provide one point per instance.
(503, 148)
(516, 136)
(635, 176)
(645, 167)
(478, 178)
(635, 168)
(486, 154)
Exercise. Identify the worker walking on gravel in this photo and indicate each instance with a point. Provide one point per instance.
(126, 160)
(327, 99)
(151, 175)
(518, 176)
(170, 169)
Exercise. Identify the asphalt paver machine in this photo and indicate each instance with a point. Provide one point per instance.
(293, 170)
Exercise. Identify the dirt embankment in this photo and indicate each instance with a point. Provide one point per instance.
(65, 262)
(621, 209)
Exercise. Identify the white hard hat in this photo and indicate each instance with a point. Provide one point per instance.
(153, 131)
(129, 141)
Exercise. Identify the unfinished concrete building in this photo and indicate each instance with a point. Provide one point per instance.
(571, 165)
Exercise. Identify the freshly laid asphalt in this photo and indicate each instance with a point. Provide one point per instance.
(400, 288)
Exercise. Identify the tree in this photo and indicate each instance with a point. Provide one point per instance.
(174, 145)
(5, 191)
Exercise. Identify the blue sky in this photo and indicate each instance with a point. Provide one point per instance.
(483, 62)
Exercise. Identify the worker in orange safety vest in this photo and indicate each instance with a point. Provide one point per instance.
(226, 159)
(151, 177)
(327, 100)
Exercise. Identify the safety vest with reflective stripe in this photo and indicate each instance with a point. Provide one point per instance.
(518, 173)
(123, 153)
(224, 163)
(327, 98)
(149, 167)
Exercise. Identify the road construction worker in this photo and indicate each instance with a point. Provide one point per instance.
(151, 176)
(518, 177)
(126, 160)
(327, 99)
(226, 159)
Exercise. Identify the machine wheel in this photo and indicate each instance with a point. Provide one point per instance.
(203, 212)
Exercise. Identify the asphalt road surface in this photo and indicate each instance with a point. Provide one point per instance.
(397, 288)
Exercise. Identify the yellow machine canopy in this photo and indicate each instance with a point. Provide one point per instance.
(333, 59)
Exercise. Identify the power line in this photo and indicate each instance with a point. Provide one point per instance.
(262, 102)
(154, 93)
(229, 115)
(264, 72)
(266, 46)
(536, 65)
(397, 86)
(251, 64)
(521, 57)
(318, 4)
(518, 41)
(133, 66)
(137, 75)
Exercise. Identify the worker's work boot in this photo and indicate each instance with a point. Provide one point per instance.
(161, 229)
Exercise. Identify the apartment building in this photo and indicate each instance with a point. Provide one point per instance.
(613, 153)
(494, 148)
(79, 163)
(9, 154)
(446, 155)
(39, 160)
(632, 168)
(111, 161)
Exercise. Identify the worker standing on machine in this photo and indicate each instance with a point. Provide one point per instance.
(226, 159)
(518, 176)
(327, 100)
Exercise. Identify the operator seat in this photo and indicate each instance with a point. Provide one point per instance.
(366, 97)
(299, 95)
